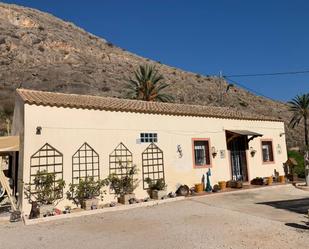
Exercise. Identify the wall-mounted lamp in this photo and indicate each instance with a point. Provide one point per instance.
(281, 134)
(279, 150)
(38, 130)
(214, 152)
(252, 151)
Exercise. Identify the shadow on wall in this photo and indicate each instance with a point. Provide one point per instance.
(299, 206)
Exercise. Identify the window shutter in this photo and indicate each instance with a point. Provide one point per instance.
(207, 153)
(271, 155)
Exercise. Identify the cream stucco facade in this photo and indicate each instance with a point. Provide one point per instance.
(66, 129)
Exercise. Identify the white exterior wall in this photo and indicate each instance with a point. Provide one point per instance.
(67, 129)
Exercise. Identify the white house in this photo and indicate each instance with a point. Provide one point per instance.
(79, 135)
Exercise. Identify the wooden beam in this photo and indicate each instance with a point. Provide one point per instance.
(232, 137)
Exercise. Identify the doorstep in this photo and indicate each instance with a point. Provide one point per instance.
(100, 211)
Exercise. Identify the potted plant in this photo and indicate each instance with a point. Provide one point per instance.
(257, 181)
(231, 184)
(44, 193)
(157, 188)
(124, 185)
(85, 194)
(239, 184)
(199, 187)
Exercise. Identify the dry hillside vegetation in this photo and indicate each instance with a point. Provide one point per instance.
(40, 51)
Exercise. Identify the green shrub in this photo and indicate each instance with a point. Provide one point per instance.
(156, 185)
(125, 183)
(45, 189)
(86, 189)
(299, 157)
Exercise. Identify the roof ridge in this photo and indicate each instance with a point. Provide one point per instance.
(72, 100)
(123, 99)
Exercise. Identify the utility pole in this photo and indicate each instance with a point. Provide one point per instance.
(220, 87)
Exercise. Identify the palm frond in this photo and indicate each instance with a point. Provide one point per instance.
(299, 106)
(147, 85)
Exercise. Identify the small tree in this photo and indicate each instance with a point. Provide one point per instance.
(125, 183)
(86, 189)
(45, 189)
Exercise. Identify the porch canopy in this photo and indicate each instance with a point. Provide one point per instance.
(9, 143)
(250, 134)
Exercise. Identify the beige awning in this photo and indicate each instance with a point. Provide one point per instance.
(9, 143)
(251, 134)
(246, 133)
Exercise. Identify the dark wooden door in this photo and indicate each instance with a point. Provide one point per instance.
(238, 161)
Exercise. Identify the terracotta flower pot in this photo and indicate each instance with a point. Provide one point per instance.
(269, 180)
(199, 187)
(282, 179)
(222, 185)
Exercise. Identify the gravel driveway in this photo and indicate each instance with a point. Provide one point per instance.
(222, 221)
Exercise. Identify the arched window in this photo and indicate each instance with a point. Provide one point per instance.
(120, 160)
(48, 159)
(85, 163)
(153, 164)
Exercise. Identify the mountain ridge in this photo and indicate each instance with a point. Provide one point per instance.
(43, 52)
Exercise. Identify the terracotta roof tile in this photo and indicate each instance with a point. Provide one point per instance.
(34, 97)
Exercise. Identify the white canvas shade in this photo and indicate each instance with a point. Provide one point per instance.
(9, 143)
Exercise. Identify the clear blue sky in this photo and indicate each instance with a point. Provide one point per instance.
(237, 37)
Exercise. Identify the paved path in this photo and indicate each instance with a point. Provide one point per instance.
(226, 221)
(280, 203)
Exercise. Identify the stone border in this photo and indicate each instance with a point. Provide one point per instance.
(99, 211)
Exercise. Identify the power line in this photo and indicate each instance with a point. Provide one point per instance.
(268, 74)
(247, 88)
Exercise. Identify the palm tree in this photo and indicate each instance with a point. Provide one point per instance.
(147, 85)
(299, 106)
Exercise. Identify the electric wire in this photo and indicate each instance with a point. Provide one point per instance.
(228, 78)
(268, 74)
(245, 87)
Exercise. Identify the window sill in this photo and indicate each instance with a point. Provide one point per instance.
(202, 166)
(268, 162)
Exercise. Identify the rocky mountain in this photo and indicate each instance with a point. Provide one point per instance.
(40, 51)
